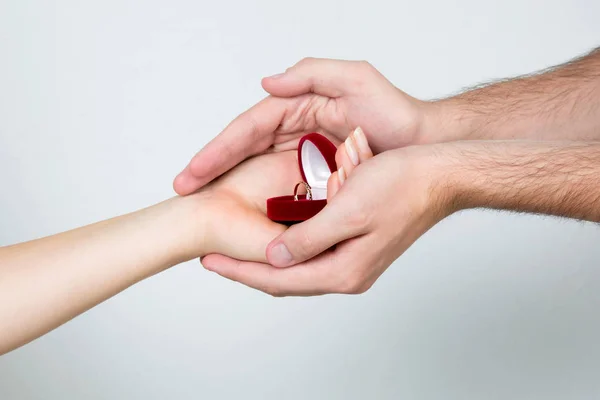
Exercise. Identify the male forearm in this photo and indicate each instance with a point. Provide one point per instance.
(46, 282)
(562, 103)
(552, 178)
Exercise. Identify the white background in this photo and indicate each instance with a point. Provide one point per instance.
(103, 102)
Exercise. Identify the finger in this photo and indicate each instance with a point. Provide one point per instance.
(331, 78)
(338, 221)
(343, 159)
(334, 183)
(250, 133)
(287, 142)
(186, 183)
(362, 145)
(305, 280)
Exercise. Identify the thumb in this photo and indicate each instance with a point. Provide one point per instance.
(310, 238)
(331, 78)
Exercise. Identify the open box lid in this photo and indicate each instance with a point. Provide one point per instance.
(316, 158)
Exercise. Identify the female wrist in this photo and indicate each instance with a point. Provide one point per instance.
(186, 226)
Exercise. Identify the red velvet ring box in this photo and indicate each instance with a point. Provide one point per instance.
(316, 158)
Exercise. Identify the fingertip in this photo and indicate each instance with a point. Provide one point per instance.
(215, 262)
(205, 167)
(184, 184)
(265, 83)
(207, 262)
(272, 84)
(364, 150)
(178, 184)
(278, 254)
(286, 85)
(271, 79)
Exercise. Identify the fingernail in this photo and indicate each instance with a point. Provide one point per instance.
(351, 151)
(361, 140)
(280, 255)
(276, 76)
(341, 175)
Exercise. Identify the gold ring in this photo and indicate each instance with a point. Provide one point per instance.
(308, 191)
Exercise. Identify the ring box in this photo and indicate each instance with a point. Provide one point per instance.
(316, 159)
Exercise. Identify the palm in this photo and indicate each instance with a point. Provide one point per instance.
(241, 228)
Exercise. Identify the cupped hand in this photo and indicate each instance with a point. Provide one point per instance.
(328, 96)
(383, 207)
(237, 225)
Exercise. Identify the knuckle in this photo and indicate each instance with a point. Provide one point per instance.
(273, 291)
(365, 66)
(307, 60)
(364, 287)
(351, 284)
(350, 287)
(253, 128)
(363, 72)
(357, 219)
(357, 280)
(257, 138)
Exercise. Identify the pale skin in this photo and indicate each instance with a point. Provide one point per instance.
(508, 145)
(46, 282)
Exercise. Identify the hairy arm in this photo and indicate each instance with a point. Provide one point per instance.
(555, 178)
(560, 103)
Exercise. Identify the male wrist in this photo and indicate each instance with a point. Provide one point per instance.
(446, 121)
(452, 179)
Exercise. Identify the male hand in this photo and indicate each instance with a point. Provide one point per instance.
(383, 207)
(329, 96)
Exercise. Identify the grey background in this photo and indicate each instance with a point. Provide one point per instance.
(102, 103)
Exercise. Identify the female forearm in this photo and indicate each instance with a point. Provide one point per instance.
(561, 103)
(46, 282)
(555, 178)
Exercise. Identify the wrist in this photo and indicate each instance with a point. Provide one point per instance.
(454, 175)
(184, 227)
(446, 121)
(445, 179)
(428, 173)
(549, 177)
(474, 174)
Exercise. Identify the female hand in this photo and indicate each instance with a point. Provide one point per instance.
(238, 225)
(46, 282)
